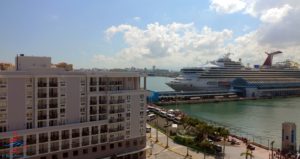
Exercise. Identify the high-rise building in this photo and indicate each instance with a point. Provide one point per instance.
(52, 113)
(289, 143)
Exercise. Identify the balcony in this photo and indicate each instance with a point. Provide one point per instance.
(119, 119)
(93, 111)
(85, 132)
(65, 135)
(42, 84)
(42, 117)
(43, 150)
(42, 105)
(74, 135)
(53, 83)
(93, 83)
(112, 139)
(31, 141)
(31, 152)
(102, 117)
(116, 129)
(53, 93)
(94, 131)
(53, 105)
(54, 137)
(95, 139)
(119, 110)
(102, 110)
(85, 141)
(103, 139)
(54, 146)
(119, 101)
(103, 130)
(53, 115)
(43, 139)
(42, 95)
(75, 144)
(102, 101)
(65, 145)
(93, 102)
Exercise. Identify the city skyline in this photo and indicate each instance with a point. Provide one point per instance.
(168, 34)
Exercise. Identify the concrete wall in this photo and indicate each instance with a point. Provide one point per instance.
(16, 118)
(30, 62)
(72, 99)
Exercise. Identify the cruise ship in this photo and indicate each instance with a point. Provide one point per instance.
(217, 75)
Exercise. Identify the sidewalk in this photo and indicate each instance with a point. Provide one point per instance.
(175, 151)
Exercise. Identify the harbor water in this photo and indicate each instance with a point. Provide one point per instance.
(258, 120)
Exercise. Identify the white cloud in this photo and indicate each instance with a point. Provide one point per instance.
(275, 15)
(137, 18)
(227, 6)
(169, 46)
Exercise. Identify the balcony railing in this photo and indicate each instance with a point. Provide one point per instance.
(102, 111)
(119, 119)
(43, 139)
(30, 141)
(75, 144)
(93, 102)
(103, 130)
(54, 137)
(112, 139)
(42, 84)
(74, 135)
(65, 136)
(42, 106)
(53, 115)
(120, 110)
(103, 140)
(54, 148)
(116, 129)
(120, 101)
(93, 83)
(30, 152)
(42, 117)
(43, 150)
(53, 84)
(102, 117)
(102, 101)
(65, 146)
(42, 95)
(53, 94)
(53, 105)
(93, 111)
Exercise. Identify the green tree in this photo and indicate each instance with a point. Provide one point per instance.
(247, 154)
(224, 133)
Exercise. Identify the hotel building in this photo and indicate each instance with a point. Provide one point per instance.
(52, 113)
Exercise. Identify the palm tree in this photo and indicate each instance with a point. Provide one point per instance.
(224, 133)
(247, 153)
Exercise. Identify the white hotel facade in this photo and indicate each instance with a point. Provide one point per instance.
(50, 113)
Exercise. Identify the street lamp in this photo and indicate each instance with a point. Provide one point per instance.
(156, 140)
(166, 126)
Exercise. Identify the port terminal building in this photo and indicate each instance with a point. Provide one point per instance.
(266, 87)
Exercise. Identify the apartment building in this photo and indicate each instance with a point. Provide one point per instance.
(51, 113)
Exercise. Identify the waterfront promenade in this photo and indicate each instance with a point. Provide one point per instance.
(176, 151)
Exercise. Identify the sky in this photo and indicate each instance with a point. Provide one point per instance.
(169, 34)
